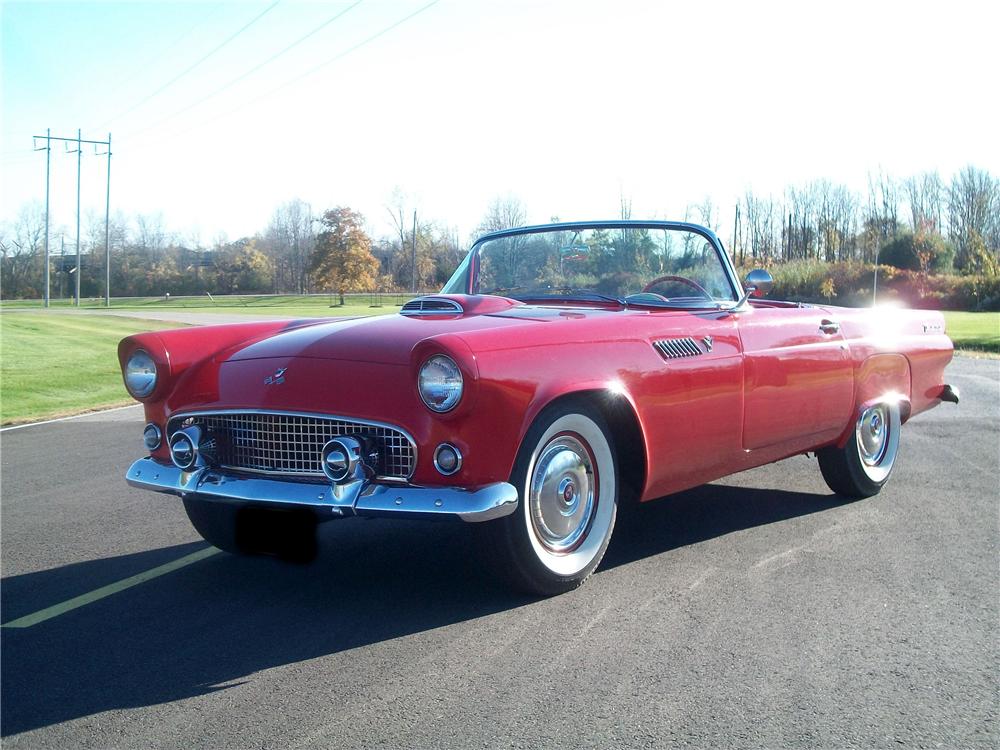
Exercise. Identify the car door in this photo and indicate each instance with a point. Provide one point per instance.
(798, 378)
(691, 399)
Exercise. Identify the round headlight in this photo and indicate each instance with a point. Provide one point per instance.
(440, 383)
(140, 374)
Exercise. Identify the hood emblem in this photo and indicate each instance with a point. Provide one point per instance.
(707, 341)
(278, 378)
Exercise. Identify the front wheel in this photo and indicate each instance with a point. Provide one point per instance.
(862, 467)
(566, 474)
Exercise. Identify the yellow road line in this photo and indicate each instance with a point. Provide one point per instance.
(112, 588)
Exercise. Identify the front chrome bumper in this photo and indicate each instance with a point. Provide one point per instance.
(359, 498)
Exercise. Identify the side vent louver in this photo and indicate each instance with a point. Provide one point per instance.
(677, 348)
(431, 306)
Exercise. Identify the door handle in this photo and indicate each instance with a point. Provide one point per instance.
(829, 326)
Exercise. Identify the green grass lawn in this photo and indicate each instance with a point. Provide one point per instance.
(285, 305)
(969, 330)
(53, 365)
(58, 364)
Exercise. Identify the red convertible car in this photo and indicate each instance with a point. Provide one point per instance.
(563, 370)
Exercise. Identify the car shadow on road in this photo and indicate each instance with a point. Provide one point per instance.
(220, 620)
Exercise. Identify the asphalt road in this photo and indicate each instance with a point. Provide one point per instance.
(759, 611)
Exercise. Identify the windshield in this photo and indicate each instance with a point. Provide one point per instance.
(636, 265)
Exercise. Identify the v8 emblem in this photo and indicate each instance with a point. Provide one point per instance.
(277, 379)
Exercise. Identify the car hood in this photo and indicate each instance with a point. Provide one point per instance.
(389, 339)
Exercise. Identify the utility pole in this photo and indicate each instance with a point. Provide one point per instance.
(107, 231)
(413, 256)
(79, 161)
(79, 141)
(48, 162)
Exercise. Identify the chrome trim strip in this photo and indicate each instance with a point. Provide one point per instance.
(307, 415)
(356, 498)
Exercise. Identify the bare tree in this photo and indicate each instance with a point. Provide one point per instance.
(925, 196)
(22, 253)
(974, 216)
(289, 241)
(761, 226)
(505, 213)
(881, 217)
(150, 235)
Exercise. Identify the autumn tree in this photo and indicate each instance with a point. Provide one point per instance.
(342, 260)
(242, 267)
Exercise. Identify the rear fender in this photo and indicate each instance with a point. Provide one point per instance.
(881, 378)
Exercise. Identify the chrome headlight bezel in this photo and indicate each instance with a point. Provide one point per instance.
(140, 374)
(440, 383)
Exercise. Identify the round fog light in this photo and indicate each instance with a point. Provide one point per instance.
(339, 459)
(182, 451)
(447, 459)
(151, 437)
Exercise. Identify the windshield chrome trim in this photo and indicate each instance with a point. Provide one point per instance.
(708, 234)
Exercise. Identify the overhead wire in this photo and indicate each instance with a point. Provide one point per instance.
(251, 71)
(194, 65)
(136, 70)
(307, 73)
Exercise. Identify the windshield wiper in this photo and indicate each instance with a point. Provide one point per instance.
(566, 292)
(648, 300)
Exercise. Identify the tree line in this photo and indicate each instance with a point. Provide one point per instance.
(922, 223)
(918, 223)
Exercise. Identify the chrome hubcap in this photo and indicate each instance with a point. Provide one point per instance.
(873, 434)
(562, 494)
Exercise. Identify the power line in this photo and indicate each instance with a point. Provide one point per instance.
(142, 68)
(307, 73)
(254, 69)
(188, 69)
(343, 54)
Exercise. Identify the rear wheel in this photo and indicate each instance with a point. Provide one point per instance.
(288, 534)
(862, 467)
(566, 475)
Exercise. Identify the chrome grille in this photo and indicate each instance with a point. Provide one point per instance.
(675, 348)
(290, 444)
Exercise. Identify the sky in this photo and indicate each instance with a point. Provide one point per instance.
(219, 112)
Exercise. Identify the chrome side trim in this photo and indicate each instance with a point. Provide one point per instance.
(353, 498)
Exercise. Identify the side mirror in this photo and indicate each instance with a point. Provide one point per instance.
(758, 283)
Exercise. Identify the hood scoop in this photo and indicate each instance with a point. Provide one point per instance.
(432, 306)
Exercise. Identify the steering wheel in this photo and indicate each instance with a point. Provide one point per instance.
(680, 280)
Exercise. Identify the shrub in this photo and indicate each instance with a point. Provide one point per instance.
(920, 251)
(851, 283)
